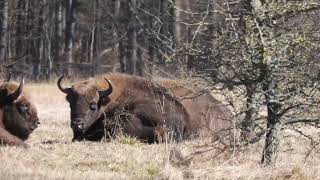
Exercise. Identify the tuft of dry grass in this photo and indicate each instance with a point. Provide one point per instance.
(52, 155)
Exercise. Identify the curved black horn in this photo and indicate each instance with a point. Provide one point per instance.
(13, 96)
(64, 90)
(108, 91)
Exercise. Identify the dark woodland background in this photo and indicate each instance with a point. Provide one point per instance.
(266, 50)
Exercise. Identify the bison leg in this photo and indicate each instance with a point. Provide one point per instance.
(135, 127)
(9, 139)
(161, 134)
(151, 116)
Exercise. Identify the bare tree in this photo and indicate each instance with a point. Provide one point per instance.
(132, 47)
(70, 31)
(256, 47)
(58, 37)
(3, 32)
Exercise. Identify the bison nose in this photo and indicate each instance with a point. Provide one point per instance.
(80, 126)
(77, 124)
(77, 127)
(34, 126)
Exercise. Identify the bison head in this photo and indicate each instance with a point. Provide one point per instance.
(85, 102)
(19, 114)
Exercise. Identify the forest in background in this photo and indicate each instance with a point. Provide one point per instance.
(46, 38)
(266, 51)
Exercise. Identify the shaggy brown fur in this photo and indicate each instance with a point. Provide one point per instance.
(209, 116)
(143, 105)
(18, 117)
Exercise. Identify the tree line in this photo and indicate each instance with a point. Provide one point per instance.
(45, 38)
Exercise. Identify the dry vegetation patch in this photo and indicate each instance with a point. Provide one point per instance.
(52, 155)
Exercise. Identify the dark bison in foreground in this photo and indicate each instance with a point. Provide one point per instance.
(146, 109)
(18, 116)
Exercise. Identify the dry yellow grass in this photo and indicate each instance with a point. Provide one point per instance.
(126, 158)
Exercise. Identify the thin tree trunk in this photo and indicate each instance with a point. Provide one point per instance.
(179, 17)
(58, 44)
(247, 123)
(47, 15)
(116, 32)
(187, 35)
(132, 39)
(140, 64)
(93, 57)
(70, 30)
(151, 52)
(93, 30)
(91, 51)
(3, 32)
(152, 44)
(31, 45)
(19, 46)
(167, 28)
(40, 43)
(273, 124)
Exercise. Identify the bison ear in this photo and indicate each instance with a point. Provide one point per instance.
(13, 96)
(104, 94)
(104, 100)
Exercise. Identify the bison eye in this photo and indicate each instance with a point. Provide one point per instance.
(93, 106)
(23, 108)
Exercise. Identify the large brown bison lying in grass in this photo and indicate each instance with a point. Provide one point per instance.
(145, 108)
(18, 116)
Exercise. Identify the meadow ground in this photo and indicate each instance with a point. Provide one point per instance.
(52, 155)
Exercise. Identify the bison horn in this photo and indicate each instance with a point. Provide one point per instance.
(13, 96)
(64, 90)
(108, 91)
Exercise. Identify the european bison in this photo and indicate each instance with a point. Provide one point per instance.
(18, 116)
(147, 108)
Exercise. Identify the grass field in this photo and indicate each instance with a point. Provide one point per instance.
(52, 155)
